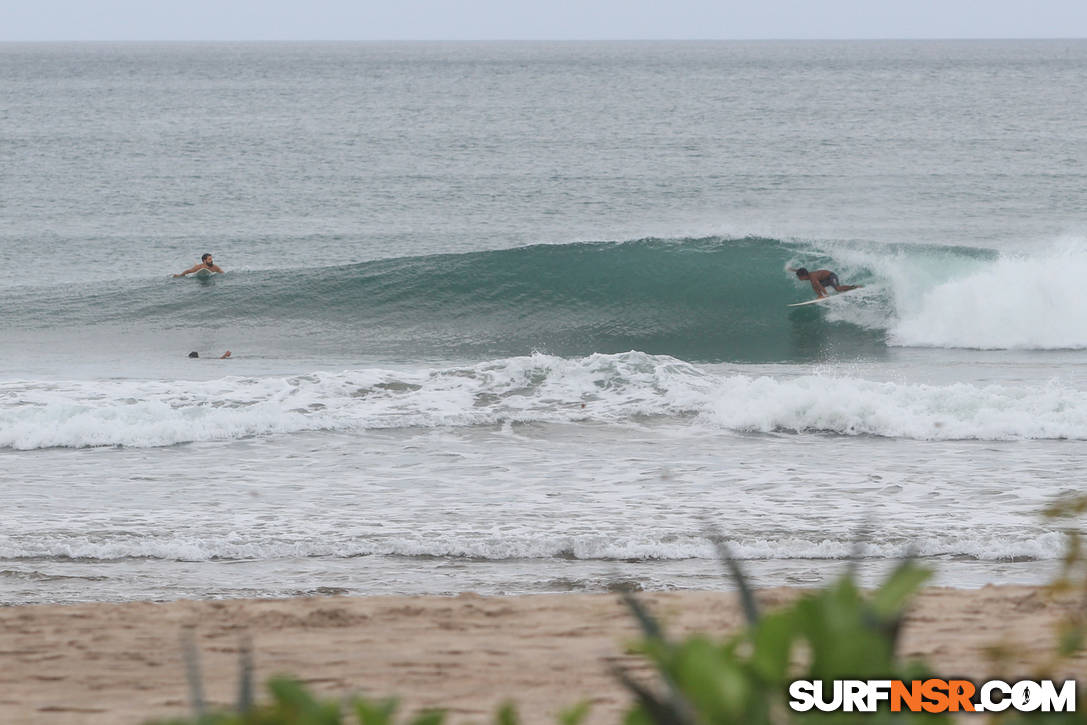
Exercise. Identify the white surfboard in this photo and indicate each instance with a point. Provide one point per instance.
(203, 274)
(817, 300)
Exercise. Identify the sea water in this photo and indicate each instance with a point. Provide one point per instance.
(511, 317)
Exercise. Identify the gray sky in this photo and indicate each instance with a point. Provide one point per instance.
(536, 19)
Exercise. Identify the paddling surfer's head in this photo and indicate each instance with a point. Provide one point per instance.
(206, 265)
(802, 273)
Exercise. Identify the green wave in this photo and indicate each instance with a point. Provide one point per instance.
(709, 299)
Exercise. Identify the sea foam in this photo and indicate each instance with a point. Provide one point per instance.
(626, 388)
(1034, 302)
(982, 546)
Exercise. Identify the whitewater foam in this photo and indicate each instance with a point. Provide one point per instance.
(511, 546)
(1015, 302)
(627, 388)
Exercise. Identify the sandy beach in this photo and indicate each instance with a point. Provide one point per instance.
(123, 663)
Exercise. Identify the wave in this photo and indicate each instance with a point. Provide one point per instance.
(705, 300)
(1015, 302)
(991, 546)
(627, 388)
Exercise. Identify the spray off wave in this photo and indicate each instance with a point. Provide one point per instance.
(629, 388)
(1033, 303)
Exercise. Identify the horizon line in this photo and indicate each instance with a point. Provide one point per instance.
(549, 40)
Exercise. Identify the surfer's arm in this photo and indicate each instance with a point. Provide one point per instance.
(819, 289)
(190, 270)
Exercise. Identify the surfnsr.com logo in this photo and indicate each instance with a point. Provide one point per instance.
(932, 695)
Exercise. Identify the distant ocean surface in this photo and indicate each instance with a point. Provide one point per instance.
(511, 317)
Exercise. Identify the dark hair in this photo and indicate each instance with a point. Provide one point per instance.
(194, 353)
(802, 272)
(204, 258)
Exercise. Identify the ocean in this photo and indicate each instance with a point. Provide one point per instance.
(511, 317)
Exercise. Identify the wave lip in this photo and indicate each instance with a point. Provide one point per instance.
(620, 389)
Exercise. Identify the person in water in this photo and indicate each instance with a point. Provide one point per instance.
(206, 262)
(224, 356)
(821, 279)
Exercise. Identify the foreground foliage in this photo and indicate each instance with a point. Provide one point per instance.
(292, 704)
(835, 633)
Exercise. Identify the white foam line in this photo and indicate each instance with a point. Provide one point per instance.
(616, 389)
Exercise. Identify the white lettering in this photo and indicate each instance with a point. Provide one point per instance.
(854, 696)
(1026, 696)
(878, 690)
(1063, 701)
(802, 693)
(834, 703)
(988, 704)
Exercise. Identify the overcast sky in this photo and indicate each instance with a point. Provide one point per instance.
(536, 19)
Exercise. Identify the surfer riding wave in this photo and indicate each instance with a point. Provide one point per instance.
(821, 279)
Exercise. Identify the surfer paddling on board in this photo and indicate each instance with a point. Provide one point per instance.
(224, 356)
(821, 279)
(206, 262)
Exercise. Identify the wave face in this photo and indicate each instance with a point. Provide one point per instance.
(703, 300)
(696, 299)
(629, 388)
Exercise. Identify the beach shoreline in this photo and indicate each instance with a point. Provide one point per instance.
(123, 663)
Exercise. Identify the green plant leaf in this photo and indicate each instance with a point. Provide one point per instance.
(904, 582)
(375, 713)
(574, 715)
(507, 715)
(773, 646)
(747, 597)
(293, 699)
(429, 717)
(650, 626)
(656, 710)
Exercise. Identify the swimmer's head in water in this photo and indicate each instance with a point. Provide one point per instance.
(194, 353)
(206, 259)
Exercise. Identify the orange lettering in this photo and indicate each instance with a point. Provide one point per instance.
(935, 691)
(959, 694)
(911, 695)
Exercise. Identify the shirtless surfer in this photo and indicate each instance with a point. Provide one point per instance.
(206, 262)
(821, 279)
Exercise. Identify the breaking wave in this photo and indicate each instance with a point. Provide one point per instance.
(626, 388)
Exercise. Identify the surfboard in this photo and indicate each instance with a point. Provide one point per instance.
(817, 300)
(203, 274)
